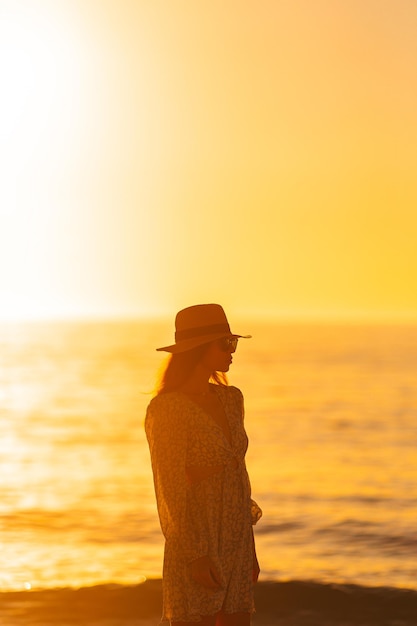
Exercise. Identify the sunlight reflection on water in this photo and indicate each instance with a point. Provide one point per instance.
(330, 412)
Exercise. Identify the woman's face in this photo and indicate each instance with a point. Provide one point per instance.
(218, 356)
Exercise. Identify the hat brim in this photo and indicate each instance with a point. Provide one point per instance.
(189, 344)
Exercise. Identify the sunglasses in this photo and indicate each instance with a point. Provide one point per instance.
(228, 344)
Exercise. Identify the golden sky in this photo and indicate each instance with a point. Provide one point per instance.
(260, 154)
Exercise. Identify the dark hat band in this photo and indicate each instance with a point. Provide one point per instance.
(200, 331)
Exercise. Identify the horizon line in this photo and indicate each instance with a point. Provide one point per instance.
(355, 317)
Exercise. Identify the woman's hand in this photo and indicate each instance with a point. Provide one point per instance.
(204, 572)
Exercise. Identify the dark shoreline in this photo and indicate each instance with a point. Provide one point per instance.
(299, 603)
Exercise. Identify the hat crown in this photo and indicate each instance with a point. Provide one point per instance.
(200, 320)
(200, 316)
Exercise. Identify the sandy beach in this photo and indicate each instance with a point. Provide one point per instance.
(278, 604)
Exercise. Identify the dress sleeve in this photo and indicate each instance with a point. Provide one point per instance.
(166, 432)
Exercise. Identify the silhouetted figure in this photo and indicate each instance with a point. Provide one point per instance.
(197, 442)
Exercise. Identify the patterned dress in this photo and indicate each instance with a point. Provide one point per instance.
(206, 512)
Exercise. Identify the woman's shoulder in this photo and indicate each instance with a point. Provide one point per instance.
(235, 391)
(160, 413)
(231, 392)
(163, 402)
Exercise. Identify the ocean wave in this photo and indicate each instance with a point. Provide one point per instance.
(370, 534)
(118, 602)
(358, 532)
(283, 527)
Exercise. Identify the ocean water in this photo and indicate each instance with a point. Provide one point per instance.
(331, 414)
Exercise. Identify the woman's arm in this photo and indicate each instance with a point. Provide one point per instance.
(167, 436)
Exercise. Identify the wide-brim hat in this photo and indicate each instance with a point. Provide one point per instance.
(197, 325)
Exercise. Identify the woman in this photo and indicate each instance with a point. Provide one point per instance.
(197, 442)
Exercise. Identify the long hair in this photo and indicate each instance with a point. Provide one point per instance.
(179, 367)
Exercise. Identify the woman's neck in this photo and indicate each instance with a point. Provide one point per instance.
(198, 383)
